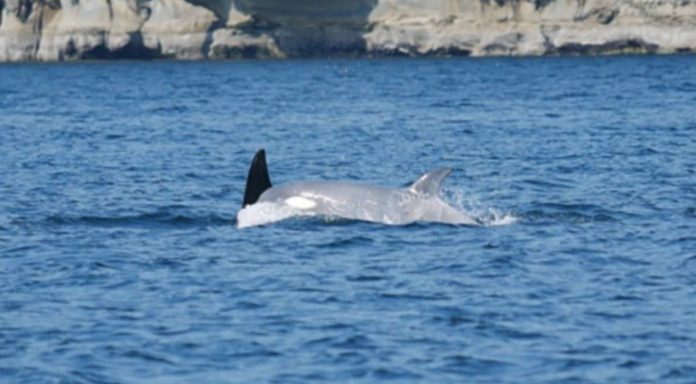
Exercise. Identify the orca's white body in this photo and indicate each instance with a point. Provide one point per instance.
(357, 201)
(349, 200)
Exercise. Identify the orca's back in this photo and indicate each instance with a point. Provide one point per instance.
(258, 180)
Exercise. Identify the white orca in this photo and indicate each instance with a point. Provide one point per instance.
(350, 200)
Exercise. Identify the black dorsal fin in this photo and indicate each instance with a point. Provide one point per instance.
(258, 180)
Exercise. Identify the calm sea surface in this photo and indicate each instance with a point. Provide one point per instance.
(121, 261)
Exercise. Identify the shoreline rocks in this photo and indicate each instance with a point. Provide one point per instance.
(64, 30)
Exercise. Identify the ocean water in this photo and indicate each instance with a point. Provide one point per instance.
(121, 260)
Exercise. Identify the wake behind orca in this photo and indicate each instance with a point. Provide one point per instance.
(419, 202)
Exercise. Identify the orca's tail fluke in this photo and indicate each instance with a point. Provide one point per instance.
(258, 180)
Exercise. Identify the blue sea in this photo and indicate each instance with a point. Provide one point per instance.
(121, 260)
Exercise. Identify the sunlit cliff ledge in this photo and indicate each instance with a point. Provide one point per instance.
(53, 30)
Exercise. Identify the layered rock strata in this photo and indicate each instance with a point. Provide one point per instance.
(53, 30)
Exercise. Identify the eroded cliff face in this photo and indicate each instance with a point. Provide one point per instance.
(50, 30)
(535, 27)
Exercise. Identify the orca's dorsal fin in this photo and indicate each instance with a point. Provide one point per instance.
(430, 183)
(258, 180)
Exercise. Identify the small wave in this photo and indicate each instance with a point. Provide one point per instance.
(690, 212)
(365, 278)
(5, 223)
(169, 109)
(574, 213)
(471, 365)
(546, 184)
(350, 241)
(162, 217)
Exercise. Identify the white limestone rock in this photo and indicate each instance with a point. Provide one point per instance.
(231, 44)
(89, 29)
(20, 29)
(528, 27)
(178, 29)
(216, 29)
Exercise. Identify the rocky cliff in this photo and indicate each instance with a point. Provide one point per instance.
(50, 30)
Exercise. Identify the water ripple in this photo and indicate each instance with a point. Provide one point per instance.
(120, 259)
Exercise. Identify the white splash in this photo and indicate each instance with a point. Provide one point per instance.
(485, 215)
